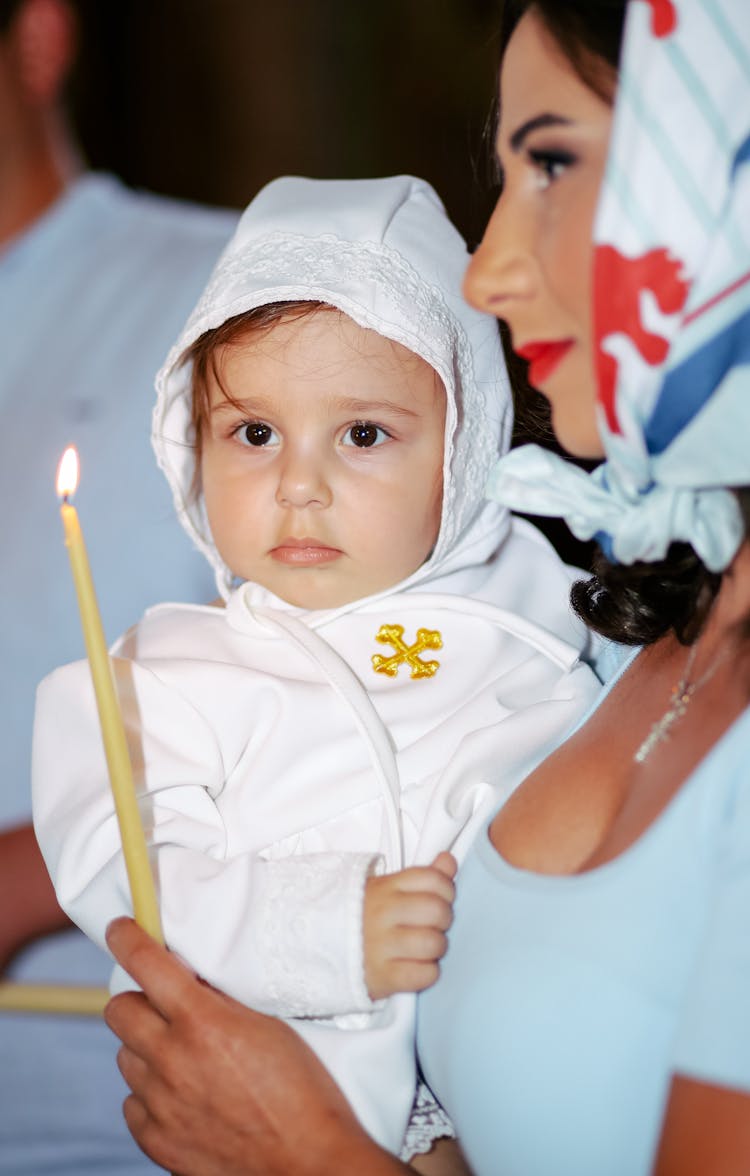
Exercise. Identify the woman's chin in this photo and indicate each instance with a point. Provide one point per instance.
(577, 436)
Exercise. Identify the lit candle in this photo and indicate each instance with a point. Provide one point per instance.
(143, 893)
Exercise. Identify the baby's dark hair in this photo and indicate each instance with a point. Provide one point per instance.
(202, 354)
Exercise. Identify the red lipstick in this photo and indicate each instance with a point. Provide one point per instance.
(543, 358)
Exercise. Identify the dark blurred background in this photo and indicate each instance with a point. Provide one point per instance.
(210, 99)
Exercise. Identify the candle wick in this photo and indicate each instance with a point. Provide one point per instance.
(66, 498)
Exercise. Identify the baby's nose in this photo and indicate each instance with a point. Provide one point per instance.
(303, 482)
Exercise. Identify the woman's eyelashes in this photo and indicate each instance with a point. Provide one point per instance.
(549, 165)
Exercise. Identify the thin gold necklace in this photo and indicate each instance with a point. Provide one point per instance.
(681, 695)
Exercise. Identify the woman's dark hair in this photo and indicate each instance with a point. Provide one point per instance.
(589, 33)
(639, 603)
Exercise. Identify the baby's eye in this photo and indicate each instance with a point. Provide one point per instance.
(365, 434)
(255, 433)
(549, 166)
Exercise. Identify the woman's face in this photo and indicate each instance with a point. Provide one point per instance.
(533, 267)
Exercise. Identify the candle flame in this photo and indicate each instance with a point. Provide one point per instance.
(67, 473)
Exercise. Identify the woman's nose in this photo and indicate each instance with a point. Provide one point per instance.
(302, 481)
(501, 270)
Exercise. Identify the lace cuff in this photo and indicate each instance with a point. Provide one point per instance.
(309, 934)
(427, 1123)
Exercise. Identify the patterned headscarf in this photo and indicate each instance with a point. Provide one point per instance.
(671, 299)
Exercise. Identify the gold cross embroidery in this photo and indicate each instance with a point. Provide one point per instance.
(393, 635)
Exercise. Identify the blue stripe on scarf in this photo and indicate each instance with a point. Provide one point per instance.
(687, 388)
(742, 155)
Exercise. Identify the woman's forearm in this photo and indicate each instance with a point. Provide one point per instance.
(30, 908)
(220, 1089)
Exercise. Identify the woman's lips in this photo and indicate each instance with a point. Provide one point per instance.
(543, 358)
(304, 552)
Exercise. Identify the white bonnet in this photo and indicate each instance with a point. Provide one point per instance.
(384, 252)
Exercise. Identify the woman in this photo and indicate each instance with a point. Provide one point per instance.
(591, 1013)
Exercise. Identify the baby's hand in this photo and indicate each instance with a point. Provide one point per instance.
(406, 916)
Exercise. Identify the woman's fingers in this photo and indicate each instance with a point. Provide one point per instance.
(129, 1015)
(166, 981)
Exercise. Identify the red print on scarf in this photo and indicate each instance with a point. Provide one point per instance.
(618, 284)
(663, 17)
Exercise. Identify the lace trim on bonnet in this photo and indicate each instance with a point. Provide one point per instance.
(409, 311)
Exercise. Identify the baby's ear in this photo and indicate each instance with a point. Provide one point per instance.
(43, 38)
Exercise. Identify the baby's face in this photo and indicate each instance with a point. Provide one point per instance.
(323, 482)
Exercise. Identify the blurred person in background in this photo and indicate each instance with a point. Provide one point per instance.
(95, 280)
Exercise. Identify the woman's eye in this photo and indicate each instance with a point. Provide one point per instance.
(549, 166)
(255, 433)
(364, 435)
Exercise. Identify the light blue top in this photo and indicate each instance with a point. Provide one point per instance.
(565, 1004)
(91, 299)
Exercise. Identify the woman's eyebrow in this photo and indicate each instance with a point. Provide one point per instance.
(534, 124)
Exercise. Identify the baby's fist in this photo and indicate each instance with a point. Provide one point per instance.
(406, 916)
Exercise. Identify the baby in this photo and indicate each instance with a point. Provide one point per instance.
(390, 651)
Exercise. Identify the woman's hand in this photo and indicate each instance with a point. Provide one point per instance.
(220, 1090)
(406, 917)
